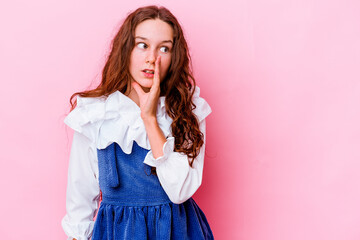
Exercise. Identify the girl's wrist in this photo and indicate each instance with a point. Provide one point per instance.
(149, 119)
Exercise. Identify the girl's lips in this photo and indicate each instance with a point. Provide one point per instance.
(148, 75)
(149, 70)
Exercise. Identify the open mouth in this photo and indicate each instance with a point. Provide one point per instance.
(148, 71)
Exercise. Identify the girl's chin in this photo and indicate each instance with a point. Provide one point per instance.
(146, 83)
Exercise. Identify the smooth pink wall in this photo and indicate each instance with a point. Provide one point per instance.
(282, 78)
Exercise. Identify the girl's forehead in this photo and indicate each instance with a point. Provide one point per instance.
(154, 29)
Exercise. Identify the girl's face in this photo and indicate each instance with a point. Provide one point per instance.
(153, 37)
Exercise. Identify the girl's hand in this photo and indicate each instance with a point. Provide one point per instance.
(149, 100)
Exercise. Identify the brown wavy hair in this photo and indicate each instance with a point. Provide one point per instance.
(178, 85)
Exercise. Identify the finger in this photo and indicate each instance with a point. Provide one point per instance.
(156, 80)
(140, 92)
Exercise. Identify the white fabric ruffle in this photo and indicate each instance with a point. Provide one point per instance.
(117, 119)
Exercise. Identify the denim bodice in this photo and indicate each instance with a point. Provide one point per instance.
(125, 180)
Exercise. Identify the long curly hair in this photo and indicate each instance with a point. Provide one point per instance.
(178, 86)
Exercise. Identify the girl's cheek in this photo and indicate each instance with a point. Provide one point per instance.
(137, 53)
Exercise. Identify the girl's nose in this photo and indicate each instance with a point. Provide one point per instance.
(151, 57)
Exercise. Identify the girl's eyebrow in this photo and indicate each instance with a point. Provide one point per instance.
(165, 41)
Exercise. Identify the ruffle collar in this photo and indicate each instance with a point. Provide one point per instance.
(116, 118)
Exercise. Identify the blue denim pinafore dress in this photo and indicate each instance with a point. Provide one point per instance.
(135, 206)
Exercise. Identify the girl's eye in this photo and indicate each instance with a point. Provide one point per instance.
(164, 49)
(141, 45)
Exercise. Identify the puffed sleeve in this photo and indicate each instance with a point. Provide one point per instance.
(82, 195)
(178, 179)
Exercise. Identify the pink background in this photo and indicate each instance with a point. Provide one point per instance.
(282, 78)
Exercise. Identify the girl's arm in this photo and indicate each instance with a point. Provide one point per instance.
(82, 194)
(148, 106)
(178, 179)
(155, 135)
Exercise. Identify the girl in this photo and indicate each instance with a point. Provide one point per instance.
(139, 139)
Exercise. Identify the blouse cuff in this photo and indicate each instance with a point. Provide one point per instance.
(79, 231)
(168, 148)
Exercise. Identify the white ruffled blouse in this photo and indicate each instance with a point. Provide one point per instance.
(100, 121)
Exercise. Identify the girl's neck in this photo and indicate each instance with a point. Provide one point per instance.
(132, 94)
